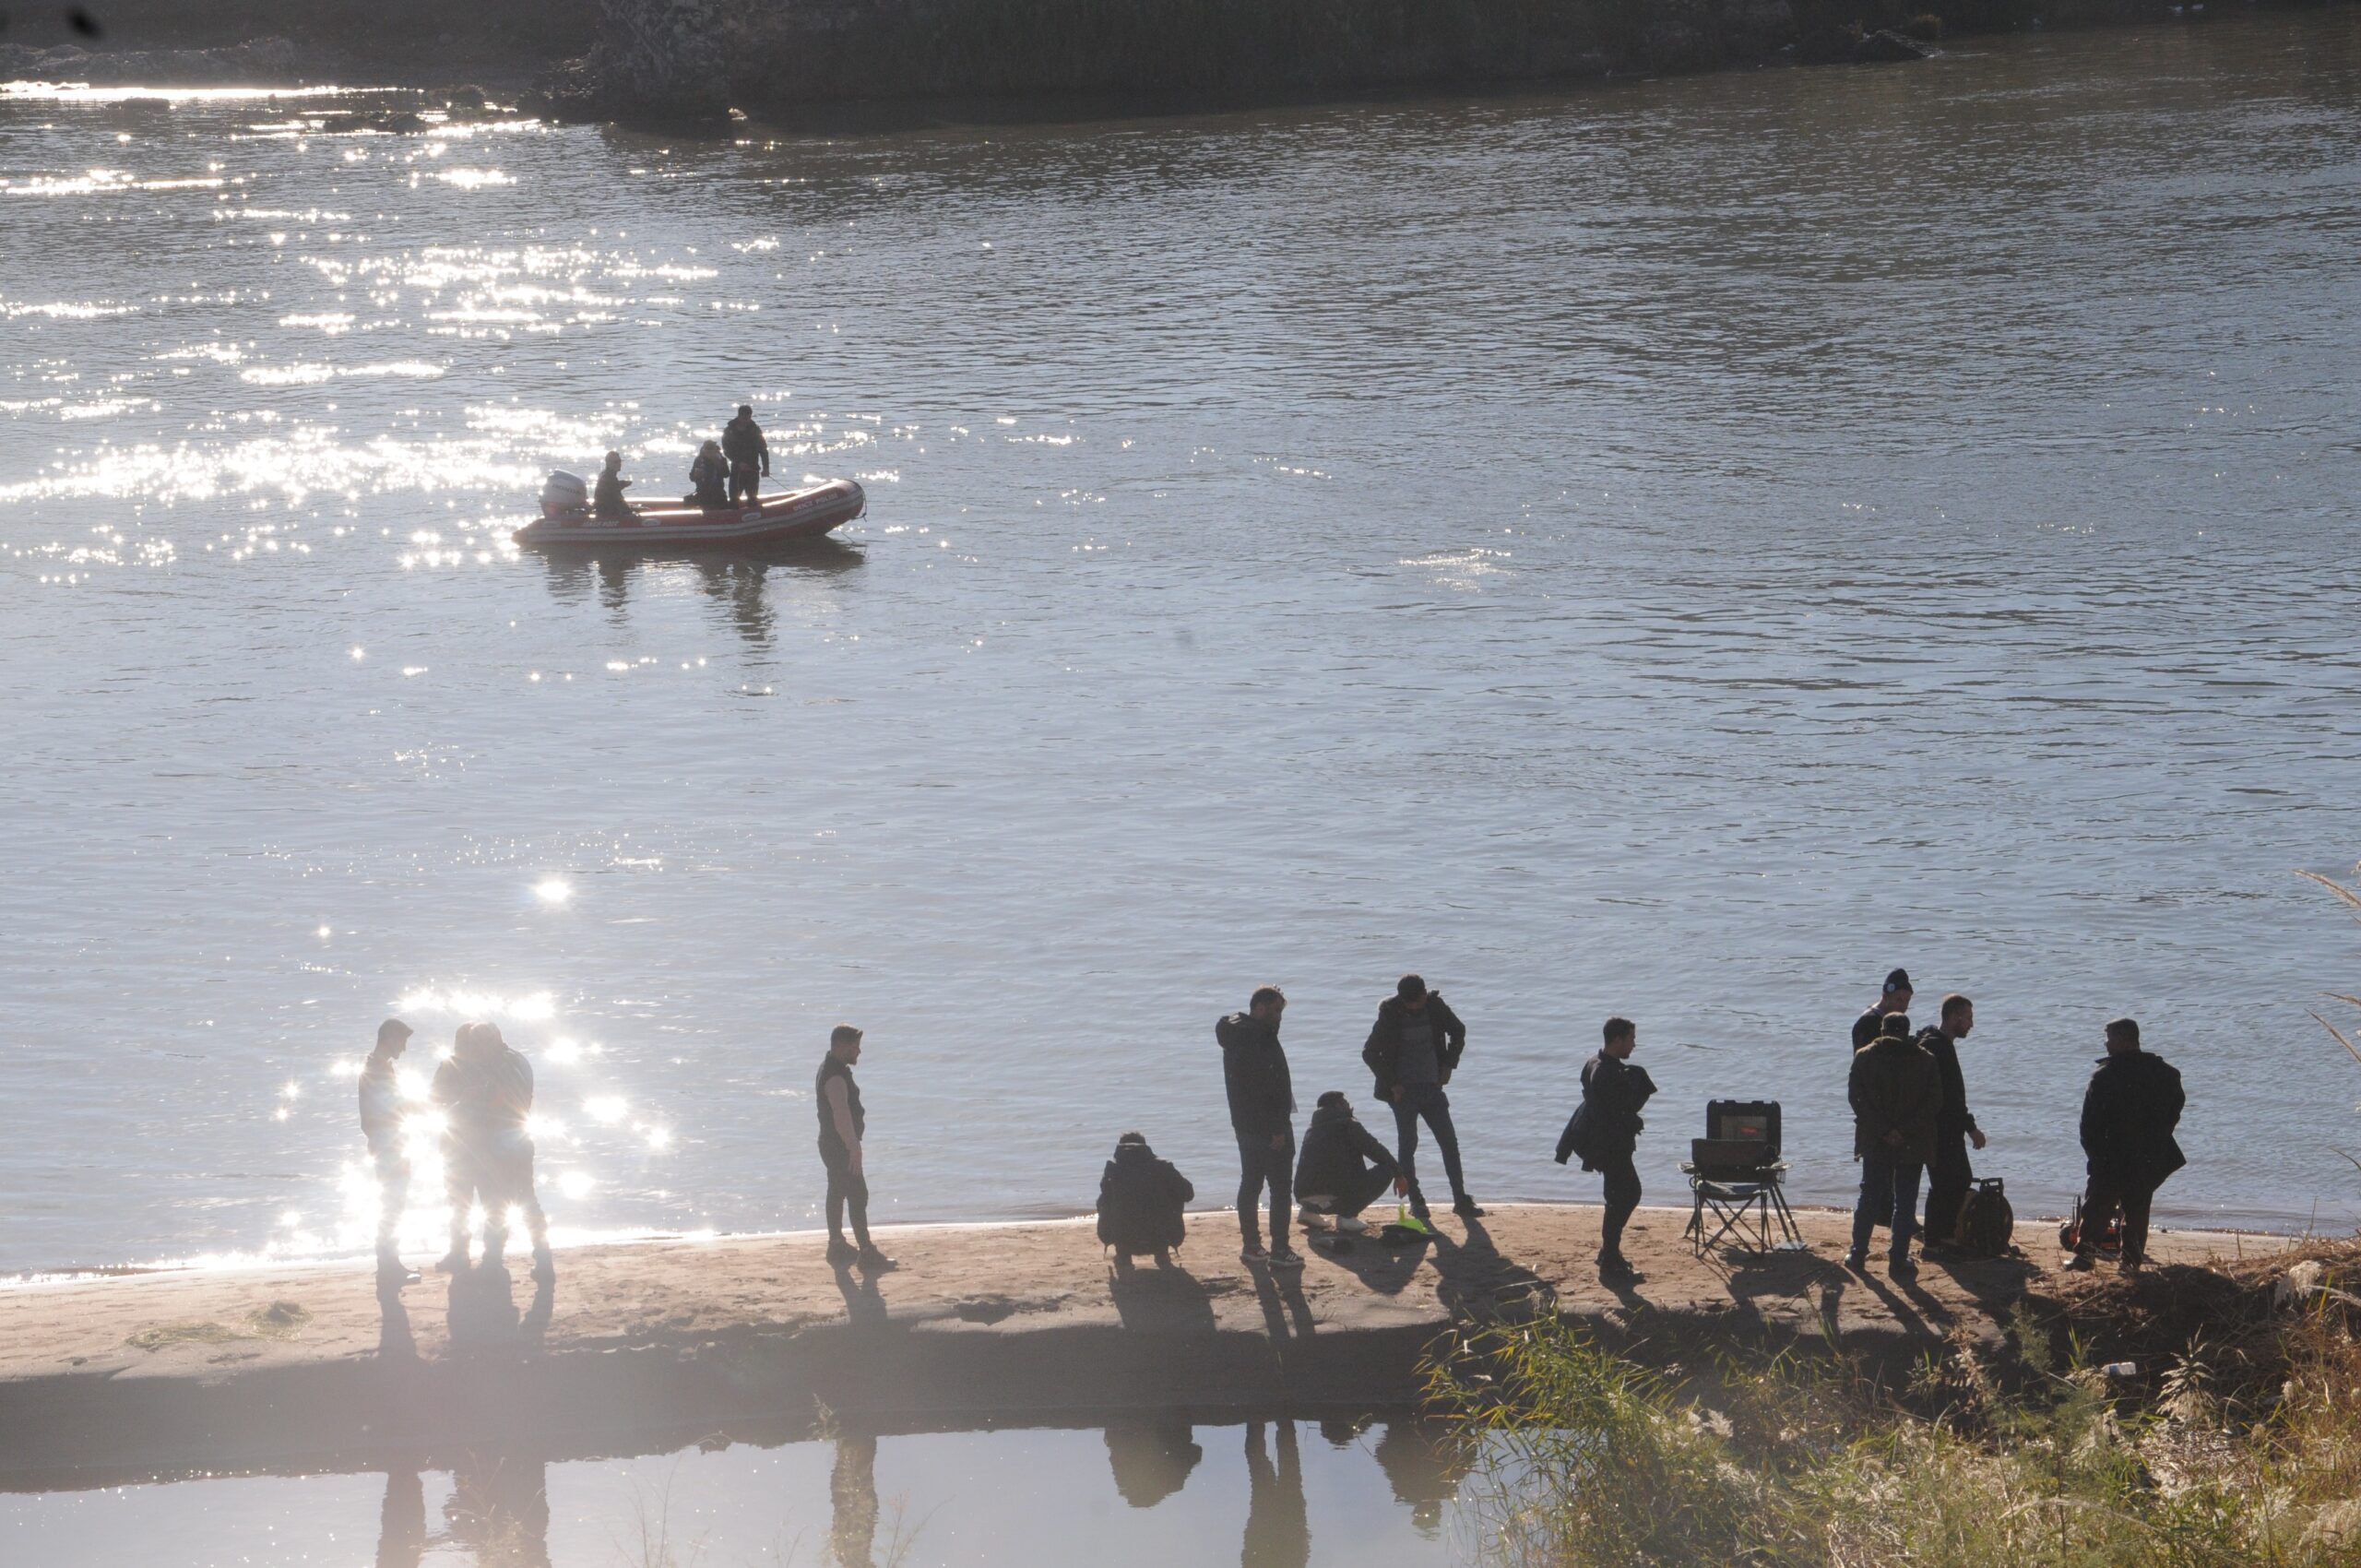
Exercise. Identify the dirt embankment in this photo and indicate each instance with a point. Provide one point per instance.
(855, 62)
(660, 1342)
(507, 43)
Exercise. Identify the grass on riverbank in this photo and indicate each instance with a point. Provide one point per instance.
(2237, 1442)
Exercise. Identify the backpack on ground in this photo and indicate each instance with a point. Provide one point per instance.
(2108, 1242)
(1986, 1220)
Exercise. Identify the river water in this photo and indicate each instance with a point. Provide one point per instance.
(1681, 549)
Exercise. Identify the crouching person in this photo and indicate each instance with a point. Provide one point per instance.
(1140, 1198)
(1343, 1168)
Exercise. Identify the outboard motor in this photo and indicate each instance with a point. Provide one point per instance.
(562, 492)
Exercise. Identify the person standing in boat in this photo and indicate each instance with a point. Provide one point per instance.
(710, 474)
(842, 1123)
(749, 455)
(607, 500)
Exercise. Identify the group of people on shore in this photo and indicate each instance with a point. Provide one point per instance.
(483, 1091)
(1908, 1091)
(725, 473)
(1910, 1117)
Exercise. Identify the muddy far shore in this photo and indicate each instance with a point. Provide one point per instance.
(653, 1343)
(854, 64)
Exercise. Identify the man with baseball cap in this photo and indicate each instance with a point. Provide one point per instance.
(381, 1124)
(1895, 998)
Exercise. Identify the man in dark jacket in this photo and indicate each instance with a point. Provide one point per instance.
(2129, 1113)
(381, 1126)
(1140, 1202)
(1955, 1128)
(1605, 1133)
(1343, 1168)
(742, 444)
(1413, 1048)
(1262, 1114)
(1895, 998)
(1896, 1090)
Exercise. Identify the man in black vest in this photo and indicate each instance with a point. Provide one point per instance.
(842, 1123)
(1955, 1128)
(2129, 1113)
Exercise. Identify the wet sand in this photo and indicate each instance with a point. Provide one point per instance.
(664, 1341)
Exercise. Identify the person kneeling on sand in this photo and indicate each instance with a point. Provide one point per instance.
(1605, 1131)
(1344, 1168)
(1140, 1198)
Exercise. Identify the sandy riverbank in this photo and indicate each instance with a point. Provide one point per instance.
(662, 1341)
(862, 64)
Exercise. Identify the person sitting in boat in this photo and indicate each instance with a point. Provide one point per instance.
(750, 455)
(608, 501)
(710, 474)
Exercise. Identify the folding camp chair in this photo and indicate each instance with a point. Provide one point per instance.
(1734, 1179)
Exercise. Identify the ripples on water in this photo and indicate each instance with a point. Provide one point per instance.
(1678, 548)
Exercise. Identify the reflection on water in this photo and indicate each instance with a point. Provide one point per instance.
(1377, 1494)
(1679, 548)
(738, 584)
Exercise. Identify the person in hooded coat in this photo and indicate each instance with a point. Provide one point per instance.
(710, 474)
(1343, 1168)
(1897, 1093)
(1140, 1202)
(1261, 1114)
(2130, 1112)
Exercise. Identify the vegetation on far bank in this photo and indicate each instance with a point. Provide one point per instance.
(2235, 1440)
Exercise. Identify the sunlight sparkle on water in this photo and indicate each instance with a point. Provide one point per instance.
(553, 890)
(606, 1109)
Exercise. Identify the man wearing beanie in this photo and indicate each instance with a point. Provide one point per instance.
(1896, 1092)
(1895, 999)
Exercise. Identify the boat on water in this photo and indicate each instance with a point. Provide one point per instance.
(566, 520)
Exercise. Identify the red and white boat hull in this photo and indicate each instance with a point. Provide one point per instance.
(772, 519)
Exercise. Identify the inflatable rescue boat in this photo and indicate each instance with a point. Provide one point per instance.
(566, 520)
